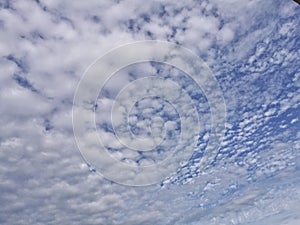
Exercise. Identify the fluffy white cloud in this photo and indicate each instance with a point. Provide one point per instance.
(250, 46)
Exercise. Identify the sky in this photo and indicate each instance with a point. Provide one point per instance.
(251, 51)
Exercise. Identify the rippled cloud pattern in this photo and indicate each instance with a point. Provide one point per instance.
(250, 47)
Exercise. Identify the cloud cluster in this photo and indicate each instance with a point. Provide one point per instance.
(251, 48)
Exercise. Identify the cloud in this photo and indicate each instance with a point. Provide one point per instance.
(250, 46)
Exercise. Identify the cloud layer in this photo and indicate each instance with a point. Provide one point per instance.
(252, 49)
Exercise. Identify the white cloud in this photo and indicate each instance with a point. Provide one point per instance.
(250, 46)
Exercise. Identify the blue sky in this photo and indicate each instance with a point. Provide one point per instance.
(251, 48)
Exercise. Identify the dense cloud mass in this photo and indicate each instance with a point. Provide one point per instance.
(251, 47)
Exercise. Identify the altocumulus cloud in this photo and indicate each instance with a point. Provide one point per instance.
(251, 48)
